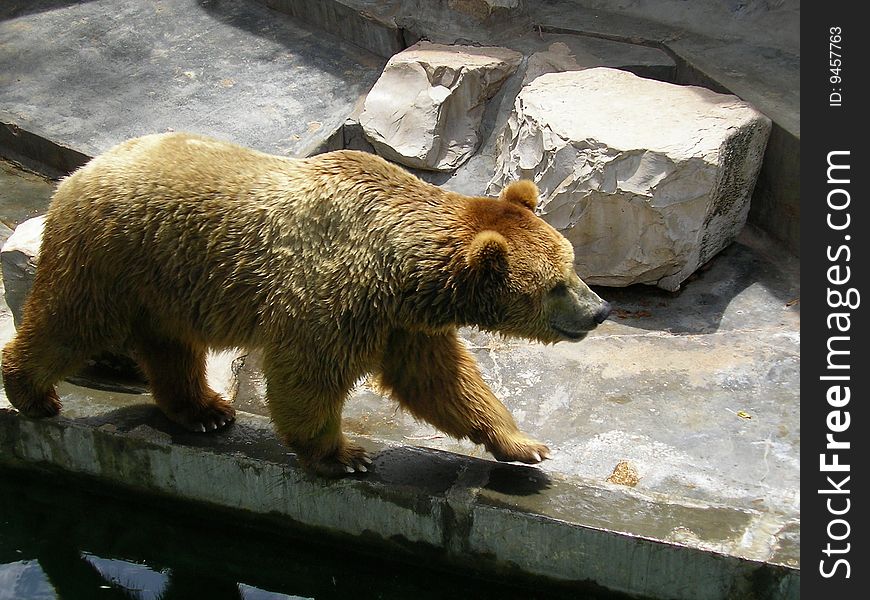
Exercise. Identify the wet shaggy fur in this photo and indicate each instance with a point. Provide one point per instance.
(335, 266)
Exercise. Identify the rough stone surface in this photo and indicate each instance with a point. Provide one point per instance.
(369, 24)
(19, 258)
(752, 50)
(450, 21)
(648, 180)
(556, 58)
(426, 108)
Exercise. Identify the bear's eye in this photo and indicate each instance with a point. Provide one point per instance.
(559, 289)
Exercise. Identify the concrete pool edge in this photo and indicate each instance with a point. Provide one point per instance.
(468, 511)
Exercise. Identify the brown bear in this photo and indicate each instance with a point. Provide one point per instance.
(333, 266)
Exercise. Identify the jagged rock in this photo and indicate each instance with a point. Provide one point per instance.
(548, 53)
(18, 263)
(426, 108)
(557, 57)
(649, 180)
(19, 259)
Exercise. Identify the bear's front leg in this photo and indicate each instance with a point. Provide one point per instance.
(176, 373)
(305, 402)
(437, 380)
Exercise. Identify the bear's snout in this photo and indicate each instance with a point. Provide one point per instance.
(603, 312)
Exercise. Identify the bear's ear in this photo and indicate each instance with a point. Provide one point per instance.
(522, 192)
(488, 251)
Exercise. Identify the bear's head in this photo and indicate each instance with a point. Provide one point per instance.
(518, 272)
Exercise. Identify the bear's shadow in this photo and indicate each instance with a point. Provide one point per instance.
(146, 421)
(437, 472)
(431, 471)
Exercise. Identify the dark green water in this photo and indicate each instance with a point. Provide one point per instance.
(60, 540)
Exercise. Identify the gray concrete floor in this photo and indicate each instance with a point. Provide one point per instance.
(86, 75)
(698, 390)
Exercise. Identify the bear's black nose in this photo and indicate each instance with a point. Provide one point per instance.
(603, 313)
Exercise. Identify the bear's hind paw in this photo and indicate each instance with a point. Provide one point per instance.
(49, 406)
(22, 394)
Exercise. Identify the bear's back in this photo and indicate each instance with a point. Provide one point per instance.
(223, 238)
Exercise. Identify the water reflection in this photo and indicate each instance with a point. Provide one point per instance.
(25, 579)
(97, 577)
(59, 540)
(140, 581)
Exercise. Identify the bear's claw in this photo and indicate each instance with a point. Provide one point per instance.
(208, 426)
(349, 460)
(216, 415)
(519, 449)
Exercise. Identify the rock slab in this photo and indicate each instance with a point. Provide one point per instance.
(425, 109)
(649, 180)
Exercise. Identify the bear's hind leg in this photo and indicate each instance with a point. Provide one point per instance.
(176, 374)
(437, 380)
(29, 375)
(39, 356)
(306, 411)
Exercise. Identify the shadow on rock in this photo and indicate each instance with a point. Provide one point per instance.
(13, 10)
(127, 418)
(699, 307)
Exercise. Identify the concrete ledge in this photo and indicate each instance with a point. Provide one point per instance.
(502, 518)
(38, 153)
(356, 21)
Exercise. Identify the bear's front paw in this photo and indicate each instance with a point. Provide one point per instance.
(518, 448)
(216, 413)
(347, 460)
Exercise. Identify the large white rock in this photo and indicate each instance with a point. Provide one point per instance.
(19, 259)
(426, 108)
(649, 180)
